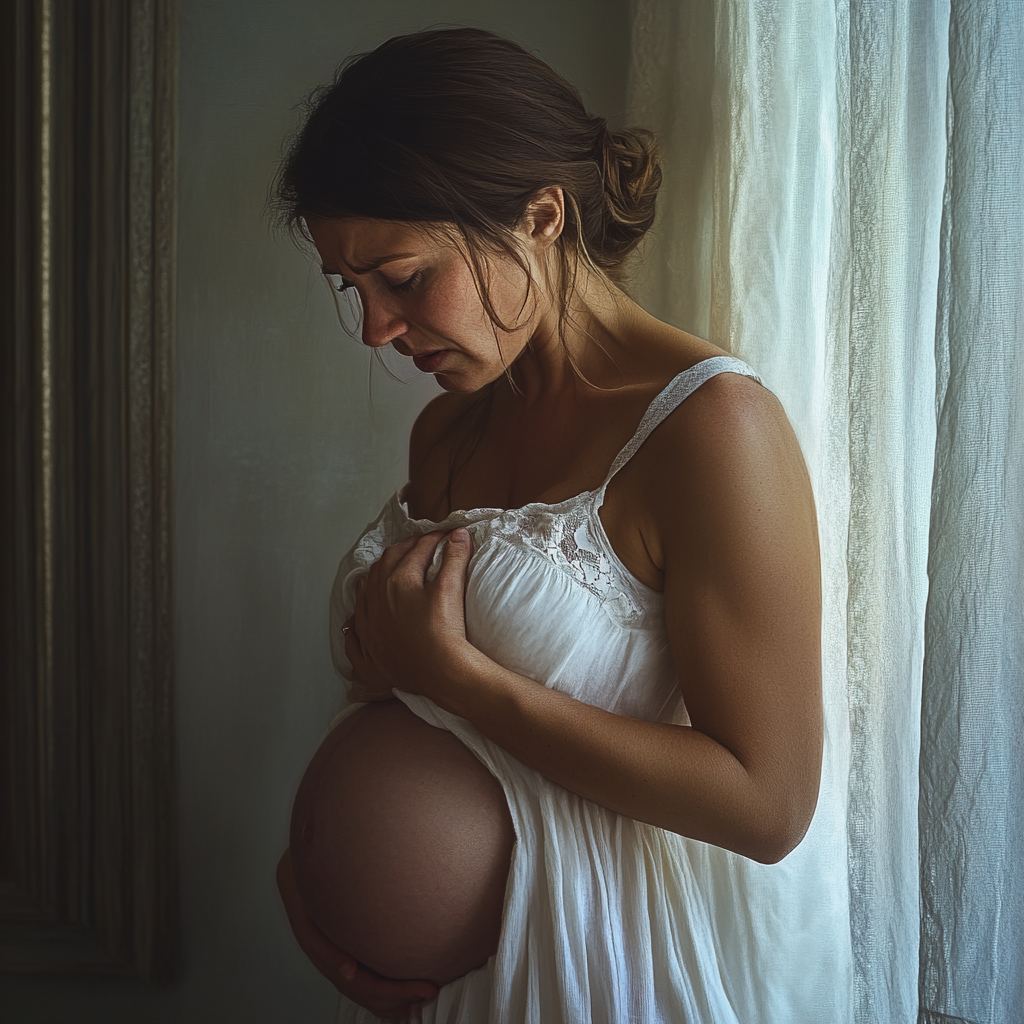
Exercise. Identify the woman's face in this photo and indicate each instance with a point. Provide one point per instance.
(418, 295)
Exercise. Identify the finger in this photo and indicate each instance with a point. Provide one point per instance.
(394, 554)
(362, 588)
(416, 561)
(331, 961)
(367, 582)
(354, 650)
(455, 561)
(368, 684)
(393, 990)
(347, 966)
(387, 998)
(360, 613)
(361, 582)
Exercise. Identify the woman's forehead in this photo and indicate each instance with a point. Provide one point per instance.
(362, 244)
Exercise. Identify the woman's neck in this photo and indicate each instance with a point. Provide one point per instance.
(598, 345)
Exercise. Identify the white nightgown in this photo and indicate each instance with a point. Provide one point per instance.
(606, 919)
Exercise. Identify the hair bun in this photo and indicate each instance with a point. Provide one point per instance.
(631, 169)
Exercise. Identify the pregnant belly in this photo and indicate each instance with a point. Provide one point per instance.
(401, 844)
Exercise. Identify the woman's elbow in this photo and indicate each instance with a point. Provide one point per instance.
(770, 849)
(783, 829)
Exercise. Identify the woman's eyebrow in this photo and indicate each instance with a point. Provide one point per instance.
(373, 264)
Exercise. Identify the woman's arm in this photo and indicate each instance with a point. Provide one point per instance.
(726, 512)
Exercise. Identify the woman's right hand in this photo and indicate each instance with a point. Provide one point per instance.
(358, 690)
(389, 999)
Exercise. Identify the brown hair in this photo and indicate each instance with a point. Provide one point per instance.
(464, 128)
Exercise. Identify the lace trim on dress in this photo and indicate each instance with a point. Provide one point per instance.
(566, 539)
(564, 534)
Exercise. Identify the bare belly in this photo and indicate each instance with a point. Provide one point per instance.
(401, 843)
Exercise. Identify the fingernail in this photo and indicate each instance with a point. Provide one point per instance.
(348, 971)
(461, 535)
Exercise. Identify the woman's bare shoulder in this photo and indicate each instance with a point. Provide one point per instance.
(725, 406)
(441, 427)
(728, 447)
(434, 426)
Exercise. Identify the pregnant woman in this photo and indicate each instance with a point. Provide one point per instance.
(597, 600)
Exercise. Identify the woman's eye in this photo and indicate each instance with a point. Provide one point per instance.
(407, 285)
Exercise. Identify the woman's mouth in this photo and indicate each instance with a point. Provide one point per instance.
(430, 362)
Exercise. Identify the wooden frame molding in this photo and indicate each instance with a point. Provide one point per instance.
(87, 802)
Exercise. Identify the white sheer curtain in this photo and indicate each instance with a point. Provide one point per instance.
(844, 209)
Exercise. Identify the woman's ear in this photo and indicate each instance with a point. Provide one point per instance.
(545, 217)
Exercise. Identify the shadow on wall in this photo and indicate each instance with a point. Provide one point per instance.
(279, 461)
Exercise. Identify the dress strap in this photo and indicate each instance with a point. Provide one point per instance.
(678, 389)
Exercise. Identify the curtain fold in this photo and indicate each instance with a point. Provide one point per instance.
(843, 209)
(972, 758)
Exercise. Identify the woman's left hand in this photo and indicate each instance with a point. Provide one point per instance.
(405, 629)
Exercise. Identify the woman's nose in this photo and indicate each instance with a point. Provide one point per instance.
(380, 323)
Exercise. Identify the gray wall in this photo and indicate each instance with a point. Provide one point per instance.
(283, 453)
